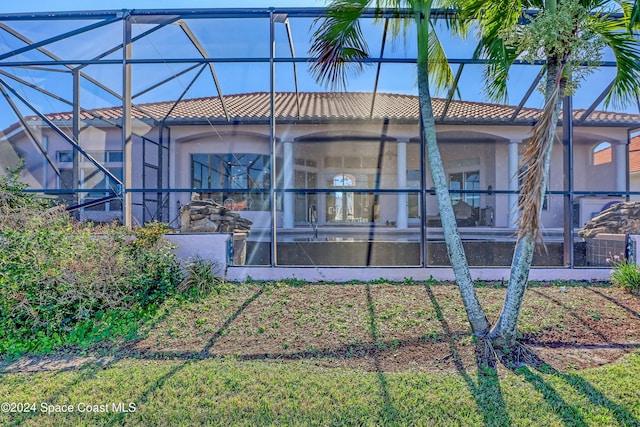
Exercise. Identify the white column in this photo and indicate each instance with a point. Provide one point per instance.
(403, 208)
(620, 162)
(288, 174)
(513, 183)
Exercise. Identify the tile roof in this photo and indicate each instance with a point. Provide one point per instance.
(322, 106)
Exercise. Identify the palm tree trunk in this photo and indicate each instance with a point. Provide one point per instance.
(503, 334)
(475, 314)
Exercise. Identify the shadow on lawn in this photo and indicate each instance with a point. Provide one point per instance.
(87, 372)
(144, 396)
(588, 326)
(389, 415)
(616, 302)
(569, 414)
(487, 392)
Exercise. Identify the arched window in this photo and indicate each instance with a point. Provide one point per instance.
(343, 203)
(602, 154)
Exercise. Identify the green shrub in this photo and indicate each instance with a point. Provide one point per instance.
(626, 274)
(64, 282)
(201, 278)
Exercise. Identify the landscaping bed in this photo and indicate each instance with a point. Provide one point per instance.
(343, 354)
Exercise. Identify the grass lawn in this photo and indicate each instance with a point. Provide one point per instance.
(361, 354)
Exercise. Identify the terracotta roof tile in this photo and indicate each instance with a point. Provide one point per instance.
(331, 105)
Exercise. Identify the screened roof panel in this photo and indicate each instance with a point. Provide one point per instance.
(237, 77)
(302, 30)
(398, 78)
(98, 94)
(231, 38)
(89, 44)
(456, 46)
(357, 81)
(522, 78)
(400, 45)
(593, 87)
(35, 102)
(170, 41)
(40, 30)
(160, 82)
(301, 34)
(56, 82)
(470, 86)
(247, 38)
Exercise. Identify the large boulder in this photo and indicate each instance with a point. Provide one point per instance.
(209, 216)
(621, 218)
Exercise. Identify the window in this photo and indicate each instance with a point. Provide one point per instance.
(464, 186)
(602, 154)
(100, 156)
(413, 182)
(91, 178)
(226, 175)
(65, 156)
(349, 206)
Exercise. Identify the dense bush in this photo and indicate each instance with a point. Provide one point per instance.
(61, 280)
(626, 274)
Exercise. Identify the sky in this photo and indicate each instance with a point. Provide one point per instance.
(468, 82)
(8, 6)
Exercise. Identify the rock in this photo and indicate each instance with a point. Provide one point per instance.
(208, 216)
(621, 218)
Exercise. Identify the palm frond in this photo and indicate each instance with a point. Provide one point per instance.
(626, 51)
(534, 172)
(338, 43)
(500, 57)
(634, 19)
(494, 19)
(439, 69)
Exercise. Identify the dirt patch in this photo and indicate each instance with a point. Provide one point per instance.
(383, 327)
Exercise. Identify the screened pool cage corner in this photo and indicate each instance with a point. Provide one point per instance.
(210, 120)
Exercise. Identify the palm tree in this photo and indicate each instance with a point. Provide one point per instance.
(566, 34)
(569, 35)
(339, 45)
(635, 15)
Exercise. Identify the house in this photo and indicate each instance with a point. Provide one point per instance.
(348, 171)
(634, 167)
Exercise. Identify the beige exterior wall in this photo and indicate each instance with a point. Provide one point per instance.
(486, 144)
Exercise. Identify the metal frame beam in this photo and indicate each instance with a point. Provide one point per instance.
(526, 96)
(27, 129)
(52, 125)
(375, 84)
(38, 45)
(595, 103)
(287, 26)
(196, 43)
(127, 142)
(452, 92)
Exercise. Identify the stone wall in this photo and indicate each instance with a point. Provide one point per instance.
(208, 216)
(621, 218)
